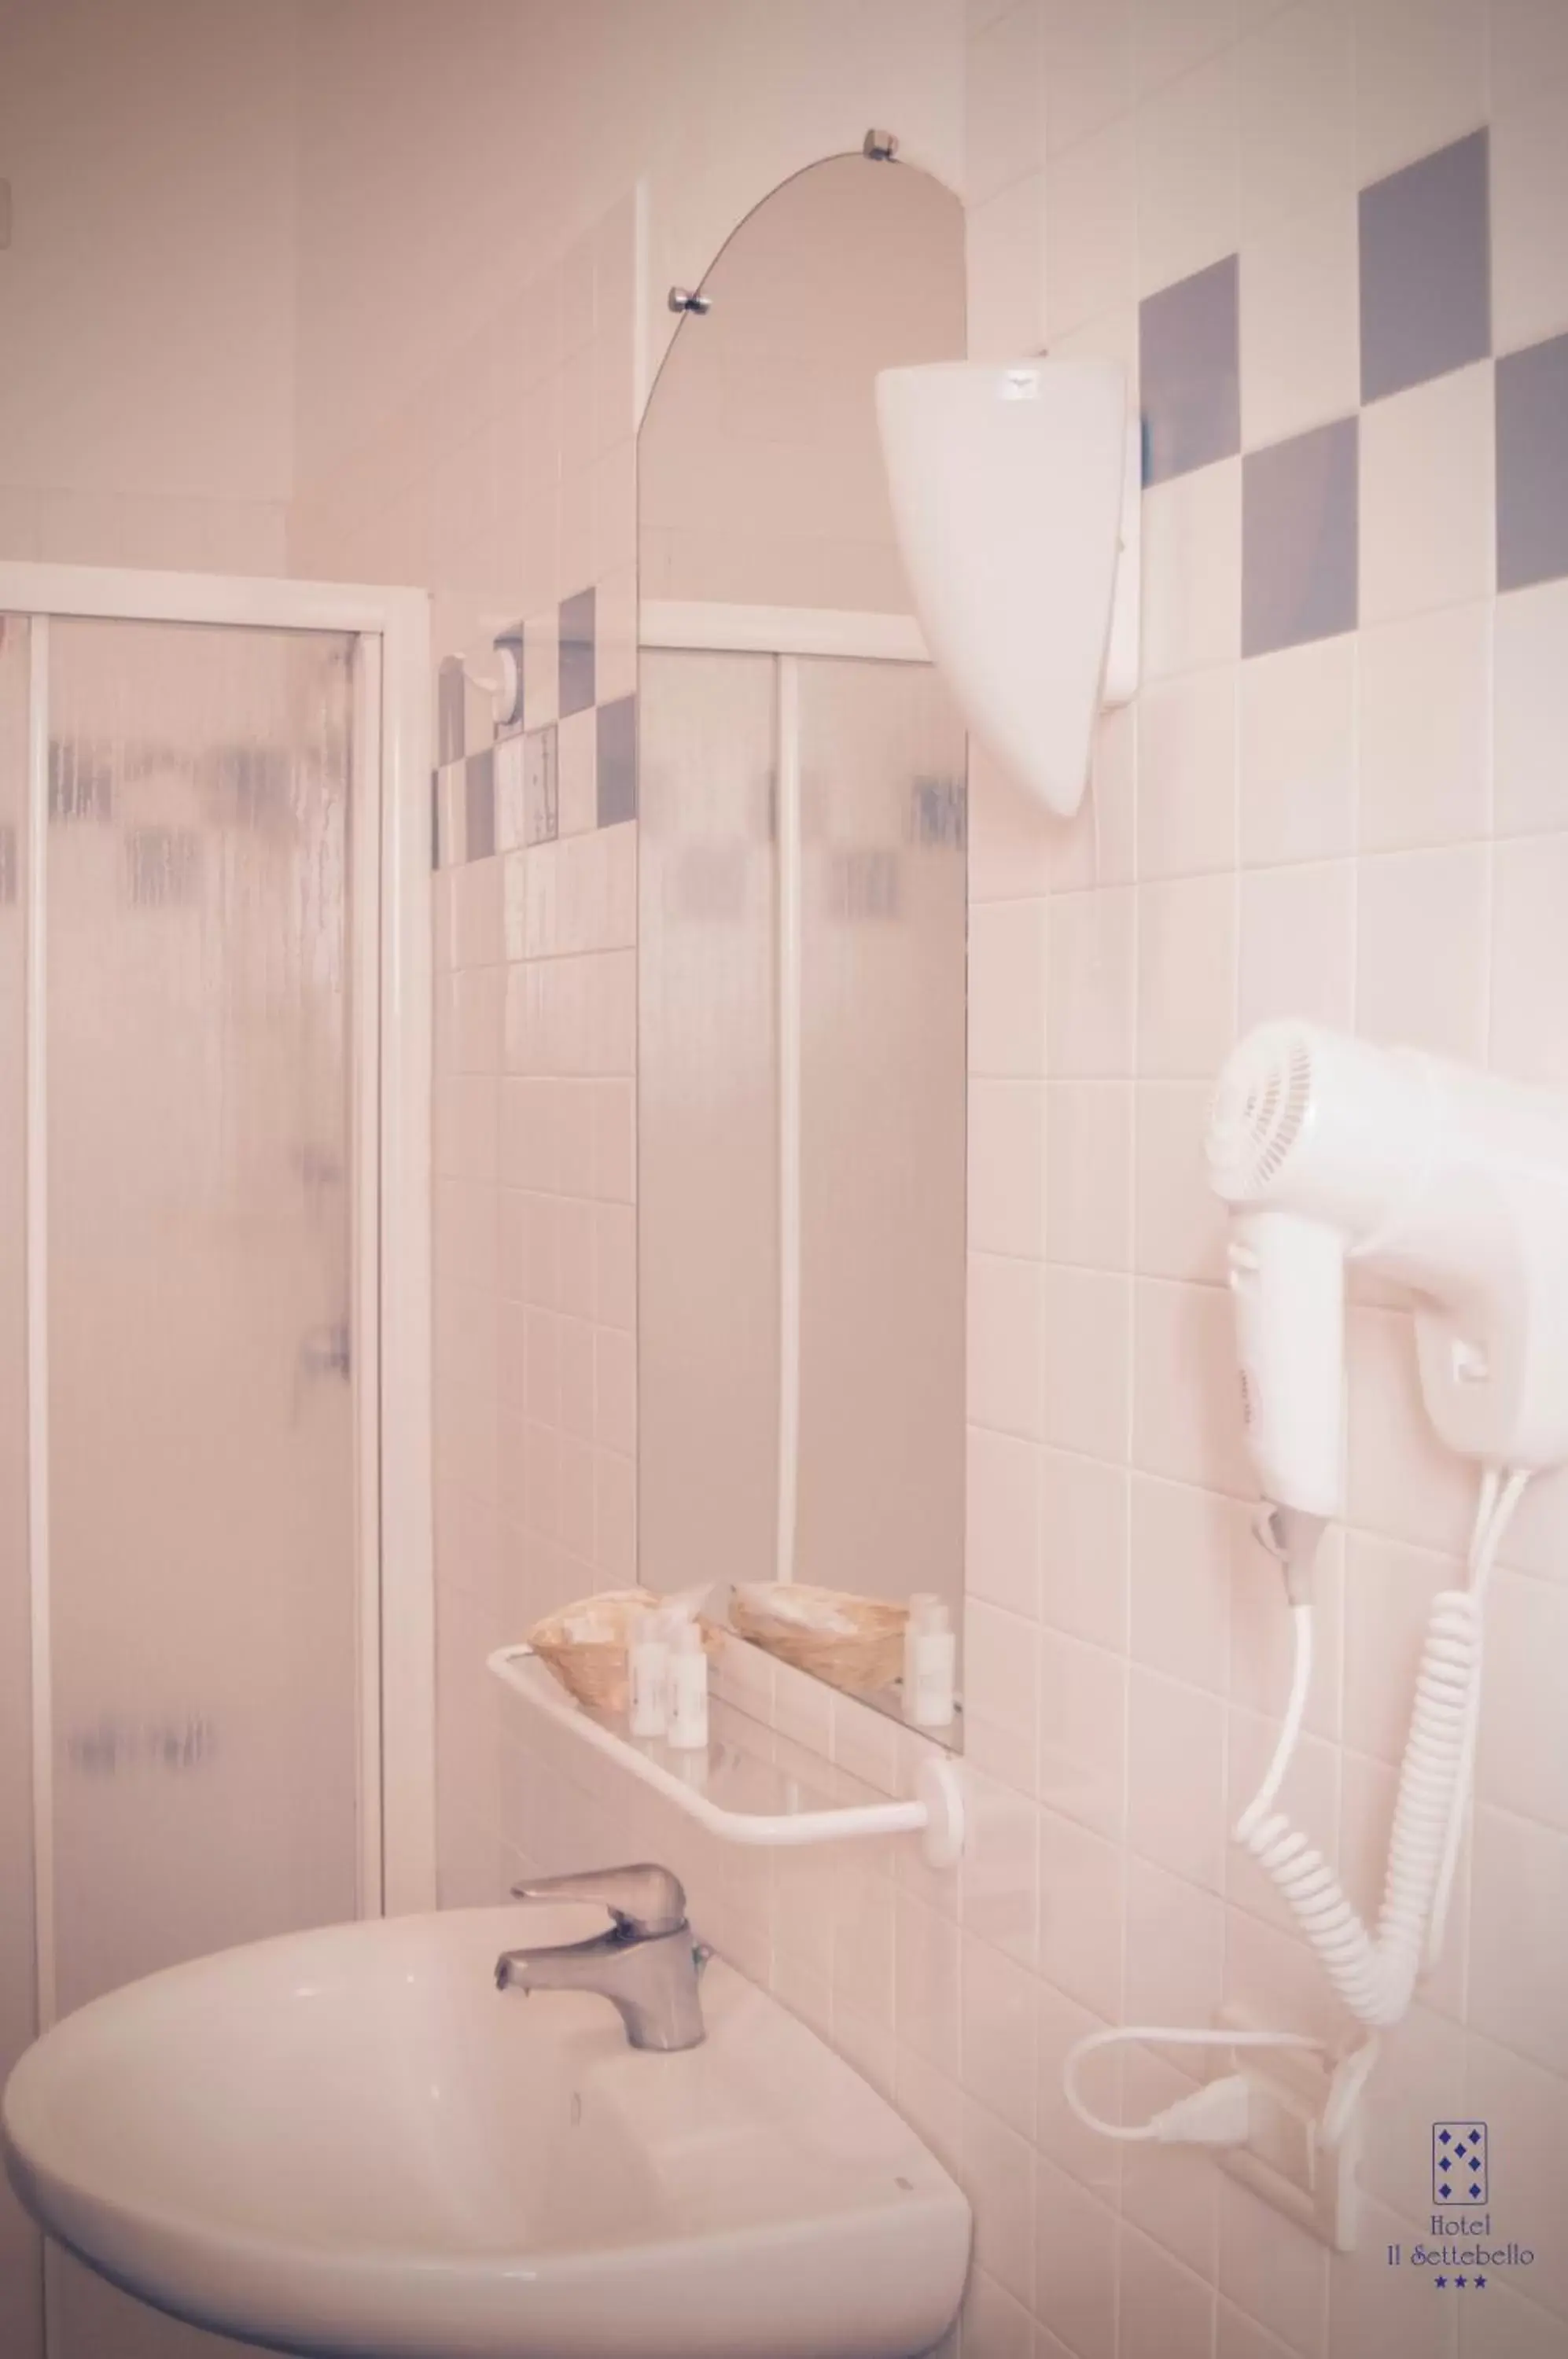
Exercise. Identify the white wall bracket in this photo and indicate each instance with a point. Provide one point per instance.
(1288, 2158)
(740, 1794)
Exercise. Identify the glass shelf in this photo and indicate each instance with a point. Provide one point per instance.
(747, 1786)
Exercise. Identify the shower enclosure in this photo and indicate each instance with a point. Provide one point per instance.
(214, 1575)
(800, 1102)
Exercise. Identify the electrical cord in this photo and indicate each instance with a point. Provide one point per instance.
(1192, 2119)
(1483, 1559)
(1374, 1974)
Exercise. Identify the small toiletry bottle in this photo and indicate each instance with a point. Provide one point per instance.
(648, 1672)
(688, 1690)
(923, 1603)
(936, 1656)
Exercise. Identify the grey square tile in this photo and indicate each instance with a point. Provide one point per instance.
(576, 653)
(541, 794)
(479, 804)
(1189, 361)
(1299, 538)
(435, 819)
(1426, 286)
(616, 761)
(1532, 464)
(510, 832)
(449, 720)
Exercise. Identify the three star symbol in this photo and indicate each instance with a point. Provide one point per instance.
(1478, 2283)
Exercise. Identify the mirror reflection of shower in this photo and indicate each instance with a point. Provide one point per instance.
(802, 823)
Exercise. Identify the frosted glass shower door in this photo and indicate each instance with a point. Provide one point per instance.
(707, 1120)
(21, 2279)
(200, 1407)
(883, 921)
(801, 1119)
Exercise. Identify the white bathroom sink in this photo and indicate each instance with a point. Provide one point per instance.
(350, 2141)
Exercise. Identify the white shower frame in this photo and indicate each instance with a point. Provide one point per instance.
(391, 954)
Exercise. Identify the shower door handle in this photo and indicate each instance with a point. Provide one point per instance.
(323, 1352)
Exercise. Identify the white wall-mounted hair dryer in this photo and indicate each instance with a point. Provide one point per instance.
(1330, 1151)
(1454, 1185)
(1447, 1181)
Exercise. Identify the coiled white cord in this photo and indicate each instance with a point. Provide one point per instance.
(1374, 1974)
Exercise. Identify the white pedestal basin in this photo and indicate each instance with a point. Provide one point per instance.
(349, 2141)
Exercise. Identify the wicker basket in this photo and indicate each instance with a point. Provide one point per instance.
(861, 1660)
(594, 1670)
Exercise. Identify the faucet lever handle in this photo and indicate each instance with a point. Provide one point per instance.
(644, 1899)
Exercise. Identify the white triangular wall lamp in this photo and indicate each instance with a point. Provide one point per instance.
(1016, 490)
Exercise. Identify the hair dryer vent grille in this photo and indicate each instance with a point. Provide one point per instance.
(1260, 1112)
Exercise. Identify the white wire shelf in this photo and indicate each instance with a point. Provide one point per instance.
(739, 1790)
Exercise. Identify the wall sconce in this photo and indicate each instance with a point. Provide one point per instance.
(1015, 490)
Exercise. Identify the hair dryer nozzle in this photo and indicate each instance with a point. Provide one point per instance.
(1332, 1127)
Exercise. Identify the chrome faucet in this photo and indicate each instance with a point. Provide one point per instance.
(646, 1964)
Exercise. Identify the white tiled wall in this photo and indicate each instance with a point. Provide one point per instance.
(1367, 829)
(536, 1361)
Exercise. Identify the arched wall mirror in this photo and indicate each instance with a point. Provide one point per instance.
(802, 942)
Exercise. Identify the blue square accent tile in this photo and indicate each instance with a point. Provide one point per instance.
(541, 803)
(616, 761)
(1190, 363)
(479, 804)
(1299, 538)
(451, 719)
(1532, 464)
(576, 653)
(1426, 284)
